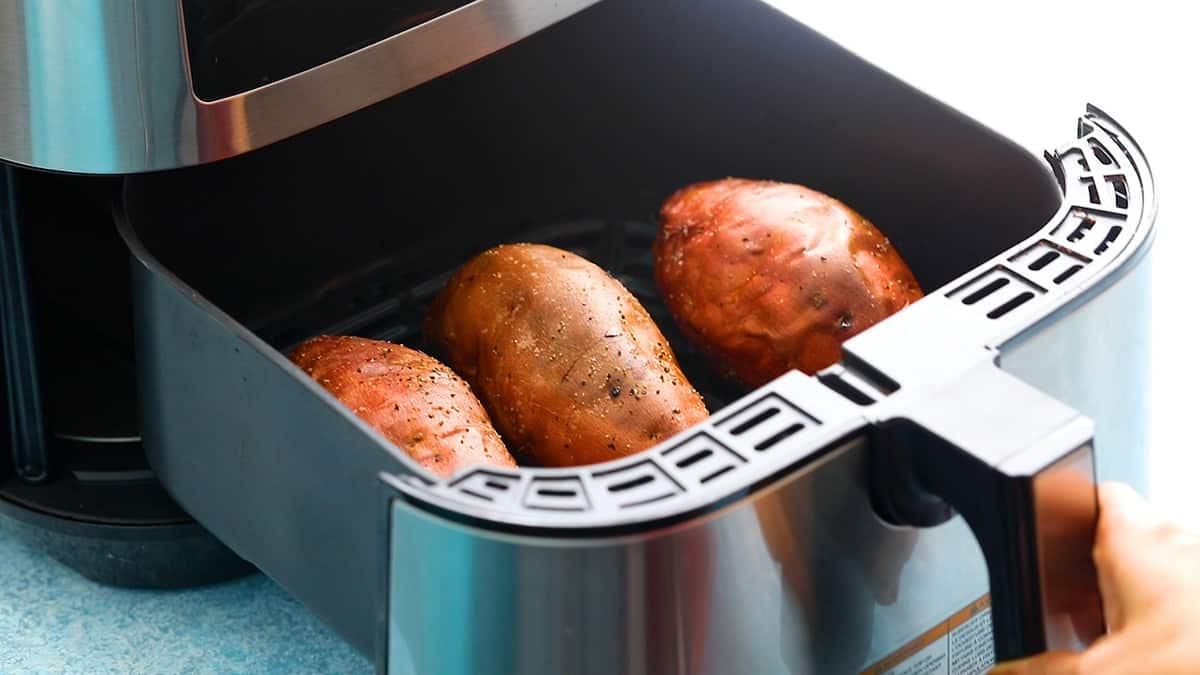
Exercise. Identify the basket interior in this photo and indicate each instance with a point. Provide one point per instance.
(574, 137)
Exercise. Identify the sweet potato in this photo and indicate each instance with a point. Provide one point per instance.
(569, 364)
(410, 397)
(767, 277)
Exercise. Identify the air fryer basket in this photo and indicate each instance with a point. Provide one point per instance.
(573, 137)
(920, 394)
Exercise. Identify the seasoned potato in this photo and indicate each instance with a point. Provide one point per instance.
(415, 401)
(570, 366)
(767, 277)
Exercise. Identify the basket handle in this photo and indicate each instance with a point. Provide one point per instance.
(1019, 467)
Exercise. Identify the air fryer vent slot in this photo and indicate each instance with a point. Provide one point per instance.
(1081, 230)
(754, 421)
(838, 383)
(1120, 190)
(631, 483)
(701, 459)
(1113, 233)
(693, 458)
(641, 483)
(857, 381)
(1090, 232)
(1067, 273)
(1093, 191)
(1043, 260)
(1010, 304)
(556, 494)
(1102, 154)
(487, 486)
(716, 474)
(1046, 262)
(779, 436)
(766, 423)
(986, 290)
(1001, 290)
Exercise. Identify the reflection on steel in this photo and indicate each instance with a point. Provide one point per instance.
(103, 87)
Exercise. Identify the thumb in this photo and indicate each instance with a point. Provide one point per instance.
(1050, 663)
(1126, 509)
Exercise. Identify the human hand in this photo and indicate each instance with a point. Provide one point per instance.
(1149, 576)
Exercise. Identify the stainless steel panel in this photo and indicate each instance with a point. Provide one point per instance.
(102, 87)
(14, 106)
(1097, 359)
(801, 577)
(95, 87)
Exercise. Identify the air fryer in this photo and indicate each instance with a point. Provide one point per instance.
(932, 491)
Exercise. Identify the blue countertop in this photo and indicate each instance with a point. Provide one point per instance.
(54, 621)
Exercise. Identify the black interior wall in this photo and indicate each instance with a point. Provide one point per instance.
(603, 115)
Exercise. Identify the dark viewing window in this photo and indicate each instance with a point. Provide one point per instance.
(237, 45)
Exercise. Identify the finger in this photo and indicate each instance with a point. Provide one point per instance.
(1124, 510)
(1123, 535)
(1050, 663)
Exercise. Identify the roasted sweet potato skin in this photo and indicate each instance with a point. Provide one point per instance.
(571, 367)
(767, 277)
(416, 401)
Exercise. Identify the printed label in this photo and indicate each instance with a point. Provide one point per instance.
(960, 645)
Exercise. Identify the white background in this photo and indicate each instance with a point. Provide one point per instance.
(1026, 70)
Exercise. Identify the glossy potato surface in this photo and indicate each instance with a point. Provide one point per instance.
(766, 277)
(417, 402)
(570, 366)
